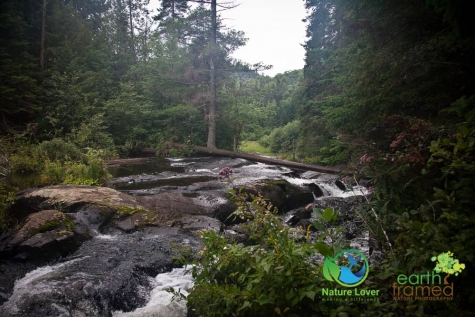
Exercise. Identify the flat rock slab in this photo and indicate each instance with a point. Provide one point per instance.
(68, 198)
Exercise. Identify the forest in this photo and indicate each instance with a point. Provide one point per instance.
(387, 90)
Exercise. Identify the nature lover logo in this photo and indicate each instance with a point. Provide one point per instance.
(352, 273)
(430, 285)
(348, 268)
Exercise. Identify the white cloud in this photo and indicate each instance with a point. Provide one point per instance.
(275, 31)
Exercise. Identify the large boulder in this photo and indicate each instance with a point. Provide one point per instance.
(171, 206)
(54, 221)
(71, 199)
(280, 193)
(44, 235)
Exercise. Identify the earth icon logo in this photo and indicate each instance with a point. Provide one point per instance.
(348, 268)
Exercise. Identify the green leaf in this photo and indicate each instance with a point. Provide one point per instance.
(319, 226)
(323, 249)
(311, 295)
(317, 213)
(330, 269)
(464, 130)
(295, 301)
(417, 225)
(328, 214)
(245, 305)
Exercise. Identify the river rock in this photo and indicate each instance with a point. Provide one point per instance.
(171, 206)
(69, 198)
(283, 195)
(44, 235)
(106, 274)
(198, 223)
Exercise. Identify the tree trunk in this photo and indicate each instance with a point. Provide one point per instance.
(132, 40)
(237, 135)
(255, 158)
(212, 81)
(43, 36)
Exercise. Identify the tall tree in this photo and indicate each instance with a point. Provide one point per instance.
(19, 90)
(212, 79)
(43, 35)
(172, 10)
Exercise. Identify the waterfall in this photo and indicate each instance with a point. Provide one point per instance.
(160, 303)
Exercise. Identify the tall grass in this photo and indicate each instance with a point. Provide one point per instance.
(255, 148)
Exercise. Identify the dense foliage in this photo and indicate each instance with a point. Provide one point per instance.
(274, 273)
(390, 90)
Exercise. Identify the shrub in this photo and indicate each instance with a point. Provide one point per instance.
(283, 139)
(272, 275)
(93, 134)
(60, 162)
(6, 197)
(59, 150)
(92, 172)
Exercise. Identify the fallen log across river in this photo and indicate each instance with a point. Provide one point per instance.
(253, 157)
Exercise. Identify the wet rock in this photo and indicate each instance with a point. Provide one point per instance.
(236, 233)
(310, 175)
(133, 222)
(272, 192)
(296, 196)
(294, 216)
(346, 206)
(92, 218)
(198, 223)
(68, 198)
(218, 207)
(44, 236)
(106, 274)
(210, 185)
(341, 185)
(223, 162)
(171, 206)
(9, 273)
(283, 195)
(352, 224)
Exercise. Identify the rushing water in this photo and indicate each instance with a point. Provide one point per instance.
(160, 303)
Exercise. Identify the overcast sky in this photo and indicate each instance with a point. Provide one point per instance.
(275, 31)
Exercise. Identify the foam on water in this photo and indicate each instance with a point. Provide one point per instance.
(106, 237)
(204, 170)
(175, 159)
(179, 164)
(160, 303)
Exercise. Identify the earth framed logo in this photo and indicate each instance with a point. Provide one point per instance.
(353, 273)
(431, 285)
(349, 269)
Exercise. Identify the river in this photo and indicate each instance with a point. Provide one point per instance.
(127, 274)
